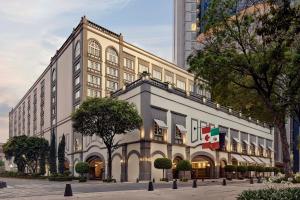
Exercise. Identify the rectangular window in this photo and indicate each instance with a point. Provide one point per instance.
(143, 68)
(93, 93)
(77, 80)
(180, 84)
(77, 94)
(94, 79)
(128, 63)
(191, 87)
(112, 71)
(111, 85)
(156, 74)
(53, 88)
(94, 65)
(128, 77)
(169, 79)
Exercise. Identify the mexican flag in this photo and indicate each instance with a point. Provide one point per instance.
(211, 138)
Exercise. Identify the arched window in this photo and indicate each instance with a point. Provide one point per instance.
(112, 55)
(94, 48)
(53, 74)
(77, 49)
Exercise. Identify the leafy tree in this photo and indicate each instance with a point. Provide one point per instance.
(254, 56)
(163, 163)
(106, 118)
(26, 151)
(52, 154)
(61, 155)
(184, 165)
(82, 168)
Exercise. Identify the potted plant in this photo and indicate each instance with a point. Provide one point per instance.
(184, 165)
(229, 169)
(82, 168)
(163, 163)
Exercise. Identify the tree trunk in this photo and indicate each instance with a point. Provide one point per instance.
(280, 124)
(163, 174)
(109, 164)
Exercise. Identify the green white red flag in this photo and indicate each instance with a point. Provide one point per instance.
(211, 138)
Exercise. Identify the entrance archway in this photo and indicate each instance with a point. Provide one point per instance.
(176, 160)
(66, 165)
(202, 167)
(96, 167)
(222, 168)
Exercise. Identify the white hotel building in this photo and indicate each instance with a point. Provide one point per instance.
(96, 62)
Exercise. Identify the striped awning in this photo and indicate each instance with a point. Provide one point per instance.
(258, 161)
(248, 159)
(238, 158)
(161, 124)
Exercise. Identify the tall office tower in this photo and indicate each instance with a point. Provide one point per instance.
(186, 28)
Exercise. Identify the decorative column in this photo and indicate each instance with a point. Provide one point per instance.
(145, 161)
(169, 155)
(124, 164)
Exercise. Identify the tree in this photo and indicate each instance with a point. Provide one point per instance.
(52, 154)
(184, 165)
(256, 52)
(26, 151)
(61, 155)
(106, 118)
(163, 163)
(82, 168)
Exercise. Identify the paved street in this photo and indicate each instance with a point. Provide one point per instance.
(40, 190)
(18, 188)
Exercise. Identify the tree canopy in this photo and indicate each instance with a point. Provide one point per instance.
(250, 58)
(106, 118)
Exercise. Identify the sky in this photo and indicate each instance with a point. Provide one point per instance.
(31, 31)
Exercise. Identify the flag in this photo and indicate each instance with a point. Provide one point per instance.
(215, 138)
(206, 137)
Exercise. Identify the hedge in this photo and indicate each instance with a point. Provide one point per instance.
(274, 194)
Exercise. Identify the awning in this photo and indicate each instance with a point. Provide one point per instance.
(246, 142)
(254, 144)
(270, 148)
(265, 160)
(161, 124)
(248, 159)
(181, 128)
(261, 145)
(258, 161)
(236, 140)
(238, 157)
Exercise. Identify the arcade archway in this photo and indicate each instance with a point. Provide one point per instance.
(222, 168)
(97, 167)
(176, 160)
(202, 167)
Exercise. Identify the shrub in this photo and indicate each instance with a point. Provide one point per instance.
(184, 165)
(82, 168)
(268, 169)
(111, 180)
(67, 173)
(230, 168)
(260, 169)
(274, 194)
(241, 169)
(163, 163)
(251, 168)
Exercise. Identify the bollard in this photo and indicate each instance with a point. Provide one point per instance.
(251, 180)
(195, 183)
(259, 180)
(224, 182)
(68, 191)
(137, 180)
(153, 180)
(174, 185)
(202, 179)
(4, 184)
(1, 184)
(150, 186)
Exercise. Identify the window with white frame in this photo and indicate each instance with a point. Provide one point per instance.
(112, 71)
(94, 48)
(143, 68)
(93, 93)
(252, 149)
(111, 85)
(156, 74)
(54, 88)
(77, 49)
(244, 148)
(53, 74)
(94, 79)
(180, 84)
(112, 56)
(128, 64)
(94, 65)
(191, 87)
(77, 94)
(128, 77)
(77, 80)
(168, 79)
